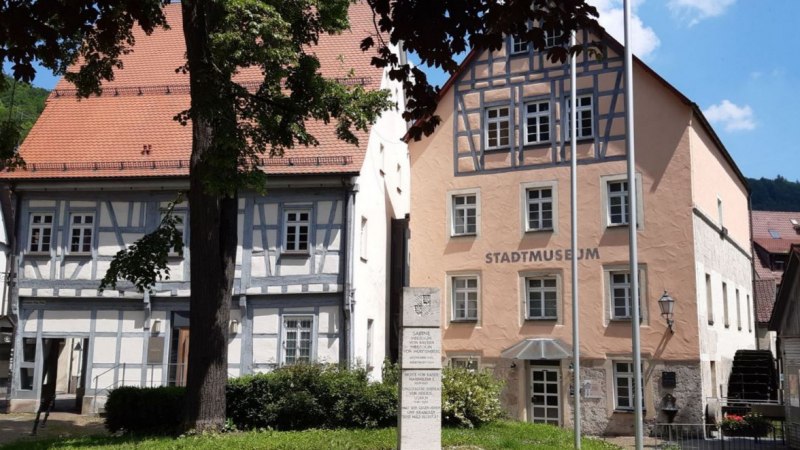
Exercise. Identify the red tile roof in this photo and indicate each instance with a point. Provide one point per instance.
(780, 222)
(102, 137)
(765, 291)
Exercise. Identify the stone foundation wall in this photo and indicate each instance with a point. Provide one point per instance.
(597, 405)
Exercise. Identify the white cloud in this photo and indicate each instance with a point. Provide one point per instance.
(731, 116)
(644, 39)
(693, 11)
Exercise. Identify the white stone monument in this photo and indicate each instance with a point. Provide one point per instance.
(420, 416)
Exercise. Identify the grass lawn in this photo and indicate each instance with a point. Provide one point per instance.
(499, 435)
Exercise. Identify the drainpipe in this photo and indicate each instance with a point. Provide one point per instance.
(349, 303)
(9, 289)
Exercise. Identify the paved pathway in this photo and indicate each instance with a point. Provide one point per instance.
(15, 427)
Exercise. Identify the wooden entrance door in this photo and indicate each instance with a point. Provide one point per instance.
(183, 356)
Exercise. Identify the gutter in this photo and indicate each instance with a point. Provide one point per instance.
(349, 302)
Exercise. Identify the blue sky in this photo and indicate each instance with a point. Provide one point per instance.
(734, 58)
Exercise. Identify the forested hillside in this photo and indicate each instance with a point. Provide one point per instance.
(779, 194)
(28, 103)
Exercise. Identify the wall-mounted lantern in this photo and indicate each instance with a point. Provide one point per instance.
(155, 327)
(667, 306)
(234, 326)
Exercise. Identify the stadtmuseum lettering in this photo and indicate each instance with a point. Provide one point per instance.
(540, 255)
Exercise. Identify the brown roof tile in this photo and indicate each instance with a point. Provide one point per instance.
(765, 291)
(104, 136)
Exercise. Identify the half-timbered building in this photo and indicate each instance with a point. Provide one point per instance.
(490, 227)
(311, 264)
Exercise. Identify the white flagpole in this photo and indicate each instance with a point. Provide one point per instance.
(576, 347)
(632, 225)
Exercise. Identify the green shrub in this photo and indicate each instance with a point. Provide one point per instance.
(145, 410)
(470, 399)
(305, 396)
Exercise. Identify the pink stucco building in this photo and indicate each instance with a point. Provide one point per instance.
(490, 228)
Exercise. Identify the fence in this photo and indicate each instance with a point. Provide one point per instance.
(683, 436)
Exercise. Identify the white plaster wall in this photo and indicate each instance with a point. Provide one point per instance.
(725, 263)
(383, 194)
(66, 321)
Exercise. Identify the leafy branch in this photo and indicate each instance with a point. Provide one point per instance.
(145, 262)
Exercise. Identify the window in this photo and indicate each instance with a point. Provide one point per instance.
(551, 38)
(713, 370)
(624, 386)
(619, 293)
(775, 234)
(81, 230)
(297, 344)
(382, 162)
(41, 232)
(539, 203)
(296, 230)
(709, 300)
(618, 203)
(465, 362)
(498, 133)
(363, 242)
(465, 298)
(749, 317)
(518, 45)
(725, 304)
(180, 226)
(464, 215)
(542, 298)
(585, 118)
(370, 338)
(537, 122)
(719, 210)
(738, 312)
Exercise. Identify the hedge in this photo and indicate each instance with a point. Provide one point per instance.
(145, 410)
(306, 396)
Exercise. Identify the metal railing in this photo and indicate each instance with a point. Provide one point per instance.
(129, 374)
(688, 436)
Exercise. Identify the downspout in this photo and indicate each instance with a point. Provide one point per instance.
(349, 304)
(754, 305)
(12, 298)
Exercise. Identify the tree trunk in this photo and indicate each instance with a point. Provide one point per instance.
(212, 226)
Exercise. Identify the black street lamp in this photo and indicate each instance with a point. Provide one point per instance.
(667, 306)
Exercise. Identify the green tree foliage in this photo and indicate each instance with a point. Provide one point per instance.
(28, 103)
(779, 194)
(232, 125)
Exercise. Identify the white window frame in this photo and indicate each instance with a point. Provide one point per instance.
(628, 376)
(369, 361)
(497, 122)
(311, 338)
(609, 272)
(456, 292)
(581, 111)
(518, 46)
(709, 300)
(605, 181)
(85, 230)
(551, 39)
(537, 116)
(749, 316)
(297, 224)
(42, 226)
(738, 311)
(725, 306)
(451, 212)
(363, 244)
(527, 202)
(542, 289)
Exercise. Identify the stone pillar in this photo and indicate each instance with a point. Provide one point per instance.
(420, 414)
